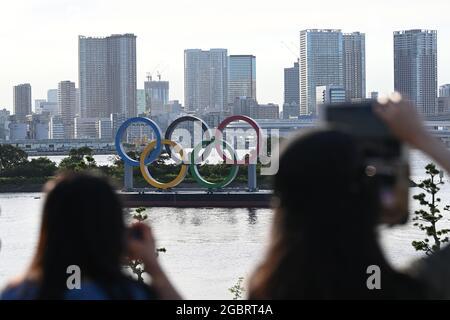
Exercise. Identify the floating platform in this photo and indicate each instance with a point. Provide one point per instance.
(197, 199)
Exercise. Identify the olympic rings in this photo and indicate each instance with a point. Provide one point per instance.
(200, 180)
(148, 177)
(154, 148)
(119, 147)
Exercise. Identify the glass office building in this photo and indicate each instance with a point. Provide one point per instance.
(321, 52)
(241, 77)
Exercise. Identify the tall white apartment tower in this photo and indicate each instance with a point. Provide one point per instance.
(22, 101)
(67, 104)
(107, 75)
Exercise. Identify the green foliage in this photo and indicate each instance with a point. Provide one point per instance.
(137, 266)
(427, 218)
(78, 160)
(14, 163)
(11, 156)
(39, 167)
(237, 290)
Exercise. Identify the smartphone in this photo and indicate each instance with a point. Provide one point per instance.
(382, 152)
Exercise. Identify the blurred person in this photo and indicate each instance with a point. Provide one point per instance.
(83, 225)
(401, 117)
(324, 234)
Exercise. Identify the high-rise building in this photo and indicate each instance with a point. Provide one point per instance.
(4, 124)
(86, 128)
(107, 75)
(52, 95)
(173, 107)
(18, 130)
(67, 103)
(291, 104)
(205, 80)
(249, 107)
(93, 76)
(444, 90)
(56, 127)
(140, 101)
(104, 129)
(77, 104)
(443, 102)
(330, 95)
(38, 126)
(156, 95)
(245, 106)
(22, 101)
(122, 74)
(291, 85)
(321, 52)
(241, 77)
(415, 68)
(268, 111)
(354, 65)
(48, 107)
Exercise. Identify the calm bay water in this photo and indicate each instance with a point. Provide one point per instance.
(207, 249)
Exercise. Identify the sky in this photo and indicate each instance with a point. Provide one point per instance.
(39, 38)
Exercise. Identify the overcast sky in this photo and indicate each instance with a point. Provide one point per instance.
(39, 38)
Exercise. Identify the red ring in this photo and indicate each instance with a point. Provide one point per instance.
(253, 124)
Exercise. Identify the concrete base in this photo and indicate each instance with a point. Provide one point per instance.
(197, 199)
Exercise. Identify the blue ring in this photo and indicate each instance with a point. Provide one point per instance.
(153, 155)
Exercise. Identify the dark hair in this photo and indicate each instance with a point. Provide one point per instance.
(83, 225)
(324, 232)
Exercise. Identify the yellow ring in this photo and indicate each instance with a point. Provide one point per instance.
(148, 177)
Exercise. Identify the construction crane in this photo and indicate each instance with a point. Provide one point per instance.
(159, 71)
(296, 54)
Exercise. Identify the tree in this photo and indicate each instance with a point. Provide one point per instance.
(137, 266)
(427, 218)
(39, 167)
(78, 160)
(237, 290)
(11, 156)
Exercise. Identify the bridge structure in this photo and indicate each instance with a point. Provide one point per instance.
(48, 147)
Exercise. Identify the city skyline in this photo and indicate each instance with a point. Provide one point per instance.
(56, 60)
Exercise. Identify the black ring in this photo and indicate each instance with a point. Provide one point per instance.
(176, 122)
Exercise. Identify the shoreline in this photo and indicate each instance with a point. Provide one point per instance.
(25, 186)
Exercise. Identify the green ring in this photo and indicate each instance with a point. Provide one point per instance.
(196, 174)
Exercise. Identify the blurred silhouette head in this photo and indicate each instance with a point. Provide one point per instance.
(323, 236)
(83, 225)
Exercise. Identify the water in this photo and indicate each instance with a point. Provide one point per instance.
(207, 249)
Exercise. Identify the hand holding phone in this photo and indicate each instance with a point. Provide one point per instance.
(381, 150)
(141, 244)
